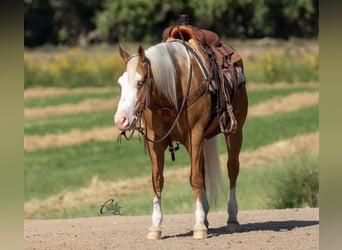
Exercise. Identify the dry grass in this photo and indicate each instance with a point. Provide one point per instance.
(74, 137)
(50, 92)
(64, 109)
(284, 104)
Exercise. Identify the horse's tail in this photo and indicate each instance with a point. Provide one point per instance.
(213, 178)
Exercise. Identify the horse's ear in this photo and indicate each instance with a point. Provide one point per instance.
(141, 53)
(123, 53)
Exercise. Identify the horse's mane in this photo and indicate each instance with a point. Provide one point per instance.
(163, 57)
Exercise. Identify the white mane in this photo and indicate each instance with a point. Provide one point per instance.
(162, 57)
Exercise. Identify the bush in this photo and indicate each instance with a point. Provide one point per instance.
(298, 185)
(74, 68)
(78, 67)
(278, 66)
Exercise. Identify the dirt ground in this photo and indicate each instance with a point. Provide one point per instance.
(260, 229)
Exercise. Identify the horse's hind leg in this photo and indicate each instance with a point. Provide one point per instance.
(195, 148)
(156, 152)
(234, 143)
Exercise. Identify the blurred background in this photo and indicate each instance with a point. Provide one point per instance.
(91, 21)
(72, 161)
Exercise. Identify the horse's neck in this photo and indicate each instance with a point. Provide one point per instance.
(159, 99)
(185, 79)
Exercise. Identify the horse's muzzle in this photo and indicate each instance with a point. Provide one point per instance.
(124, 122)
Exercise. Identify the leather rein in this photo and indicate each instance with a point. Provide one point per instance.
(146, 102)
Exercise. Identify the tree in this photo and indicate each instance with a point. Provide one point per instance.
(38, 22)
(72, 21)
(136, 20)
(285, 18)
(59, 21)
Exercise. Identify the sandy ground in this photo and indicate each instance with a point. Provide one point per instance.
(260, 229)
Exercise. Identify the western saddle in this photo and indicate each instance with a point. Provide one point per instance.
(224, 64)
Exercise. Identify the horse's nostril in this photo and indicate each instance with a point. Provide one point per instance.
(124, 122)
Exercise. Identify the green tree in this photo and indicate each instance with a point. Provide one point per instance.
(285, 18)
(136, 19)
(58, 21)
(73, 19)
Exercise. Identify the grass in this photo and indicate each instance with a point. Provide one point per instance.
(74, 166)
(261, 95)
(255, 96)
(65, 123)
(260, 131)
(253, 192)
(104, 118)
(50, 171)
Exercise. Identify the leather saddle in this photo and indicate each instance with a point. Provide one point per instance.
(224, 63)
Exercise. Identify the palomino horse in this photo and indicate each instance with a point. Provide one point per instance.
(155, 87)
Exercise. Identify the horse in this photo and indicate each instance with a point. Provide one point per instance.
(166, 87)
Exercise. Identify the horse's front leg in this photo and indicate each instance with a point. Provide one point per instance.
(156, 152)
(197, 180)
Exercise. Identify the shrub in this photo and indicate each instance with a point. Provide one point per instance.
(74, 68)
(78, 67)
(278, 66)
(298, 185)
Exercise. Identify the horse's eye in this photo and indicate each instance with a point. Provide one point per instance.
(140, 83)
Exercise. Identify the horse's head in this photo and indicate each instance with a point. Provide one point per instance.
(133, 83)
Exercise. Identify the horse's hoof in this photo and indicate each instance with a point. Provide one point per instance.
(200, 234)
(154, 235)
(233, 226)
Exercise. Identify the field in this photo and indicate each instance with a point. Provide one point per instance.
(73, 162)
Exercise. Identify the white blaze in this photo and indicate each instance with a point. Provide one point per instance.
(128, 83)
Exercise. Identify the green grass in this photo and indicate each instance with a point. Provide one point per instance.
(260, 131)
(65, 123)
(104, 118)
(74, 166)
(50, 171)
(68, 99)
(253, 192)
(257, 96)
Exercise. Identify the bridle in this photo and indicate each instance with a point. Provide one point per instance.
(146, 103)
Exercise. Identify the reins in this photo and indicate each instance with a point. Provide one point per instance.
(146, 99)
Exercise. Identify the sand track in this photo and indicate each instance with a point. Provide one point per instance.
(259, 229)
